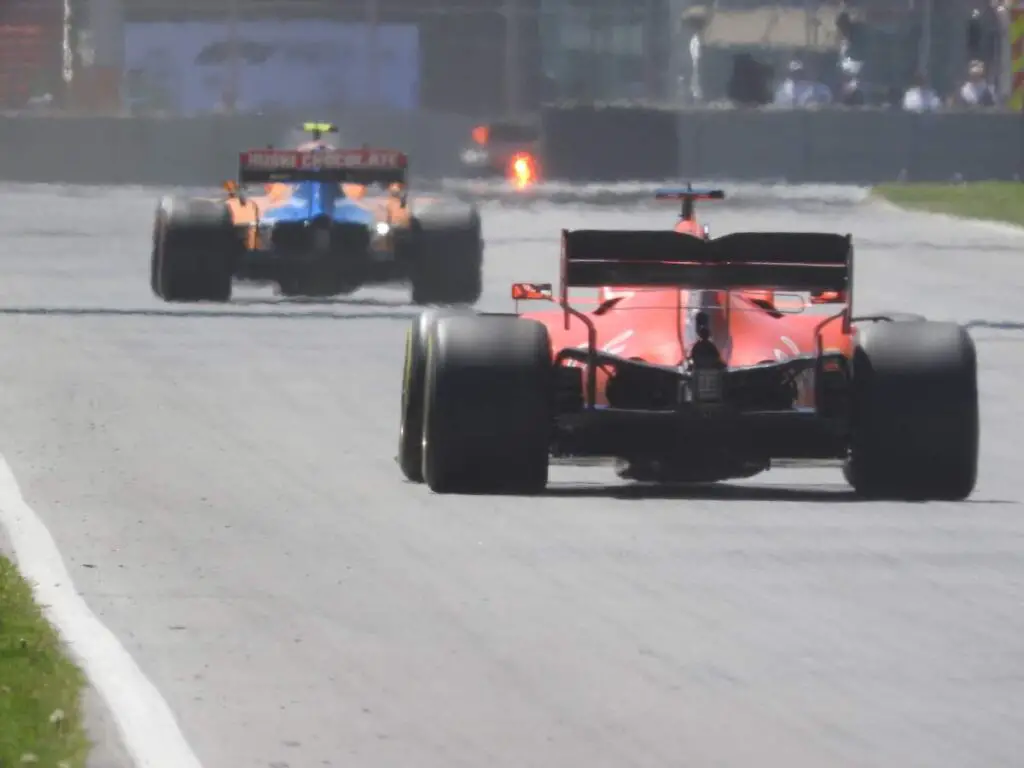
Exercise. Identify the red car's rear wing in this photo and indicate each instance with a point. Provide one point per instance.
(794, 261)
(782, 261)
(354, 166)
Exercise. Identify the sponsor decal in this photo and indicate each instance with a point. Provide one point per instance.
(287, 160)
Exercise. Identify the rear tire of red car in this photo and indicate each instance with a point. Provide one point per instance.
(445, 254)
(915, 425)
(410, 431)
(194, 250)
(488, 406)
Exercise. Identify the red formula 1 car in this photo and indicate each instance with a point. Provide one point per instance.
(706, 361)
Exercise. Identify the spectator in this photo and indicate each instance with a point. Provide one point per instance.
(1002, 67)
(851, 32)
(694, 21)
(850, 92)
(983, 35)
(920, 97)
(797, 90)
(977, 91)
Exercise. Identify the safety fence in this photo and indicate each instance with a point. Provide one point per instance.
(473, 57)
(477, 57)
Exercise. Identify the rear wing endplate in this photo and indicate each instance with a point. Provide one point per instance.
(355, 166)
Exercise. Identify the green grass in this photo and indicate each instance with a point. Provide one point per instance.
(992, 200)
(40, 688)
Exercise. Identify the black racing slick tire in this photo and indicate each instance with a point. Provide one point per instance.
(446, 256)
(414, 375)
(915, 423)
(194, 251)
(488, 406)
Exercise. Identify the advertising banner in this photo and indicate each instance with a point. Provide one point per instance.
(191, 68)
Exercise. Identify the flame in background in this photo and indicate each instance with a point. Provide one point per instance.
(522, 170)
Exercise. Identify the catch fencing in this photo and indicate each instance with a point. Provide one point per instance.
(164, 90)
(472, 57)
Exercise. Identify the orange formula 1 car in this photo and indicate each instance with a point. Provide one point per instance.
(313, 227)
(709, 360)
(504, 149)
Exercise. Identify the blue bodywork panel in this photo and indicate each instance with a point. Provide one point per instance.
(315, 199)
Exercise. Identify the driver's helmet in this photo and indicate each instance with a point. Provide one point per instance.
(690, 227)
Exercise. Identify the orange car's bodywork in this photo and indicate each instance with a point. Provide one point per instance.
(248, 210)
(656, 324)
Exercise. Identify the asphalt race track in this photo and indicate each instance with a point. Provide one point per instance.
(221, 484)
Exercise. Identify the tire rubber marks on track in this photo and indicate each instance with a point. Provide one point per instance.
(147, 726)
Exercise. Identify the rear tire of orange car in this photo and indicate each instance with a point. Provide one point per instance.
(445, 255)
(194, 250)
(915, 425)
(488, 406)
(410, 431)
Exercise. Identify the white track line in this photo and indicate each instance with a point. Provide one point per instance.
(150, 732)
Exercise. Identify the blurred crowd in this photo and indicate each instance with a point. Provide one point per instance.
(986, 81)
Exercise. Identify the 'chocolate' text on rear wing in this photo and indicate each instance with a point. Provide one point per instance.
(354, 166)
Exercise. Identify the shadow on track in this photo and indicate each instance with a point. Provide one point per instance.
(838, 493)
(994, 325)
(817, 494)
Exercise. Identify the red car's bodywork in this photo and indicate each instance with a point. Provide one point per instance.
(657, 324)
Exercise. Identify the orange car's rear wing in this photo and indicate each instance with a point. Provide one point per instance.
(353, 166)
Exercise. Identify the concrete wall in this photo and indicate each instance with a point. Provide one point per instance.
(200, 151)
(581, 144)
(840, 146)
(850, 146)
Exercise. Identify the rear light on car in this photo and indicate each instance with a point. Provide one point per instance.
(708, 385)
